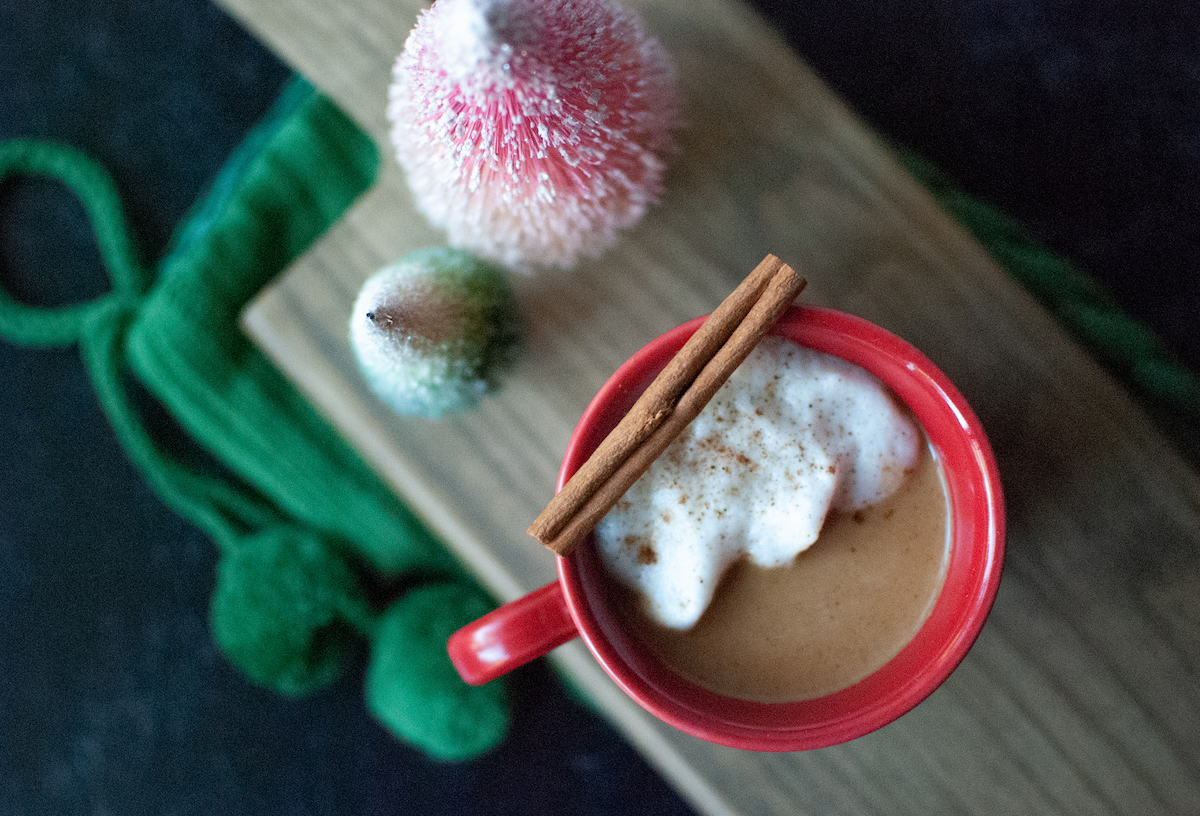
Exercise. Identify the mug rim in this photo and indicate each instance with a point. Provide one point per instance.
(967, 594)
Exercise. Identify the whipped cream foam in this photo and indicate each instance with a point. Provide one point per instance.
(793, 434)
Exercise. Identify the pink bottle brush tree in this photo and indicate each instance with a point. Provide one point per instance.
(533, 131)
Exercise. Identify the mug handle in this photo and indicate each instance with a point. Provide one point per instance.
(512, 635)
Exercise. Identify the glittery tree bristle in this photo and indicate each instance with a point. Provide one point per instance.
(532, 132)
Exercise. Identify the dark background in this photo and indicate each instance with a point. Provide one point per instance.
(1082, 120)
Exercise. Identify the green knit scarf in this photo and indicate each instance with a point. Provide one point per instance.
(300, 521)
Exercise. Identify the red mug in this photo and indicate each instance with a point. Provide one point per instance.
(575, 604)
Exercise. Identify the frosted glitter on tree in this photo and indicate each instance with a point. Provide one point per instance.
(532, 131)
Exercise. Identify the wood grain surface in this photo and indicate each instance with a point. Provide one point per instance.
(1082, 694)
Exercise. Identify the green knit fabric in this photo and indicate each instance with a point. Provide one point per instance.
(292, 179)
(301, 522)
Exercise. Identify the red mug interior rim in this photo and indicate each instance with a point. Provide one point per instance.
(972, 578)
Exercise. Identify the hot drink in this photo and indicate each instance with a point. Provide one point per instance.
(838, 612)
(750, 609)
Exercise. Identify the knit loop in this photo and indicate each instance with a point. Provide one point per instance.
(63, 325)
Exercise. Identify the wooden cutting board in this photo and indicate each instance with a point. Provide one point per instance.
(1082, 694)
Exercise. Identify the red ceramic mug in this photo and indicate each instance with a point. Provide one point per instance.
(575, 605)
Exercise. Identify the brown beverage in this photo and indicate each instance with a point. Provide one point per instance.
(838, 612)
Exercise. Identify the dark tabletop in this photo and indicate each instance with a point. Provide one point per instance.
(1080, 120)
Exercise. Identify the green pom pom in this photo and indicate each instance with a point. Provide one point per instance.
(280, 611)
(435, 331)
(413, 688)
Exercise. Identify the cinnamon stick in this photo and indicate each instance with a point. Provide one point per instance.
(673, 400)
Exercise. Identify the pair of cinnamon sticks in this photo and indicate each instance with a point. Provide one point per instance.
(673, 400)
